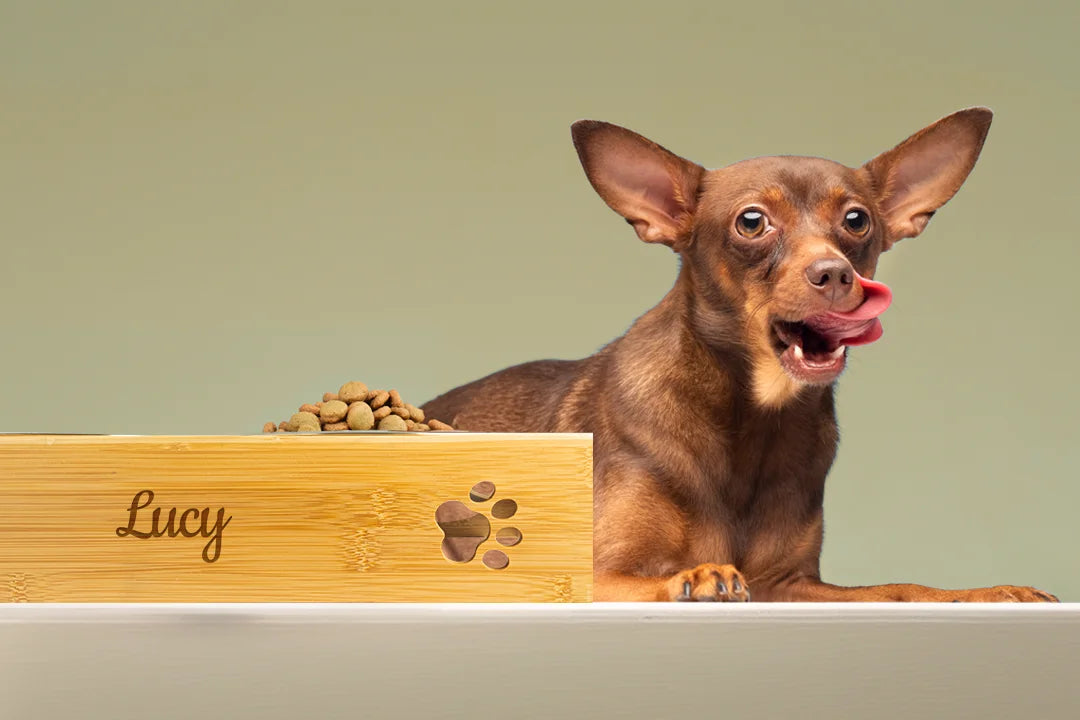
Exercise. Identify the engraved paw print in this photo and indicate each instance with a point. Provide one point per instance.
(464, 530)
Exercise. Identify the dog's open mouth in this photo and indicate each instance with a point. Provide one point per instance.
(814, 349)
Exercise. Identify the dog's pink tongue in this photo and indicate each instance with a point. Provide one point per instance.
(859, 326)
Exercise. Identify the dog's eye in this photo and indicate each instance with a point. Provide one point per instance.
(751, 224)
(857, 222)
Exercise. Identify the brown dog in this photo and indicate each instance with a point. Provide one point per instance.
(712, 417)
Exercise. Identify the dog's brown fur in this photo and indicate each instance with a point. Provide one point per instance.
(709, 456)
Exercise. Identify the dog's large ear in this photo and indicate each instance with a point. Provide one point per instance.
(922, 173)
(654, 189)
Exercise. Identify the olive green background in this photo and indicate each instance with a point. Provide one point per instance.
(211, 212)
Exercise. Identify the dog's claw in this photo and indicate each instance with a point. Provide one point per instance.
(1006, 593)
(709, 583)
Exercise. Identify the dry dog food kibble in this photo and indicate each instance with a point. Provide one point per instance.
(353, 392)
(393, 422)
(303, 418)
(360, 416)
(333, 411)
(355, 406)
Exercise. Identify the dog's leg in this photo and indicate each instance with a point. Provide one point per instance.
(813, 590)
(705, 583)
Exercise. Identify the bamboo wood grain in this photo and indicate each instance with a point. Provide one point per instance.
(340, 518)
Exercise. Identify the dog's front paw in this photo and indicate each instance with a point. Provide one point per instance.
(1006, 593)
(708, 583)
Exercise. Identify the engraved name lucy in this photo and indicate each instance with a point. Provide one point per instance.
(193, 522)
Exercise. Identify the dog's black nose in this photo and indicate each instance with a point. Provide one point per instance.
(833, 276)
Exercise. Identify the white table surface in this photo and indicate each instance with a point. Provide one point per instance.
(547, 661)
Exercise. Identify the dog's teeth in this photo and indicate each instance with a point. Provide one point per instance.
(837, 353)
(798, 352)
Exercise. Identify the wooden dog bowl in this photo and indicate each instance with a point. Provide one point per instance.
(343, 517)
